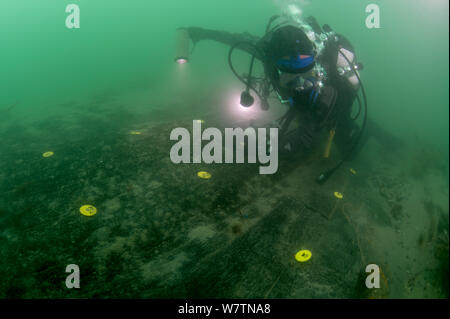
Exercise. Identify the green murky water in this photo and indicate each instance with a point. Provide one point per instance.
(162, 232)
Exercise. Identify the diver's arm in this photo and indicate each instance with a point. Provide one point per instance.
(198, 34)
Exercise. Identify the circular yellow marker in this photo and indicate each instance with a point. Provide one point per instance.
(88, 210)
(352, 171)
(204, 175)
(303, 255)
(48, 154)
(135, 133)
(338, 195)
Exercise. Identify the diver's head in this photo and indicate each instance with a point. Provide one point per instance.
(291, 54)
(290, 49)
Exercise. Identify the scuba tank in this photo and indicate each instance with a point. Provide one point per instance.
(340, 58)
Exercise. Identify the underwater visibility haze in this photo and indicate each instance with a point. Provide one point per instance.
(86, 176)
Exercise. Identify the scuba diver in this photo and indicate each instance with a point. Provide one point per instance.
(310, 68)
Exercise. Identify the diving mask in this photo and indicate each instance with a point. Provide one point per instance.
(295, 64)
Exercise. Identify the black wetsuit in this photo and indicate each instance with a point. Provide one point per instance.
(332, 109)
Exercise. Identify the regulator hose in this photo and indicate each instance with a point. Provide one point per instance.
(322, 178)
(247, 82)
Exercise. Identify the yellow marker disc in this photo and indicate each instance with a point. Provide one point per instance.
(48, 154)
(135, 133)
(338, 195)
(88, 210)
(352, 171)
(204, 175)
(303, 255)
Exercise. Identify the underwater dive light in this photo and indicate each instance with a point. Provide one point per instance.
(247, 99)
(182, 47)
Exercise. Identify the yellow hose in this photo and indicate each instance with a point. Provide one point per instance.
(326, 154)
